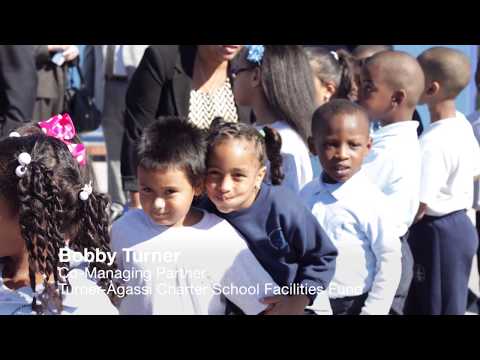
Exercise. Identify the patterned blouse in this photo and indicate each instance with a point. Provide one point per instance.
(206, 106)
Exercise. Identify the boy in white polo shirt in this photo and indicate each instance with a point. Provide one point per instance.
(353, 212)
(176, 259)
(391, 85)
(444, 240)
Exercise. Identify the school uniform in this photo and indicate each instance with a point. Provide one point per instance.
(355, 216)
(394, 165)
(444, 242)
(189, 270)
(285, 238)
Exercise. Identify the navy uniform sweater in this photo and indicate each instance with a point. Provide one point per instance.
(285, 238)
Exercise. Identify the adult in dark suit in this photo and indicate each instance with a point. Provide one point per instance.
(18, 86)
(168, 82)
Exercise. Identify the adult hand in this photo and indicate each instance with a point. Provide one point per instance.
(71, 53)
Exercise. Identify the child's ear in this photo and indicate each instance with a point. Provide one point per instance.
(199, 189)
(432, 88)
(256, 77)
(311, 146)
(399, 97)
(260, 176)
(331, 89)
(369, 144)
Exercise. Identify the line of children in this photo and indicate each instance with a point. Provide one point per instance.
(45, 209)
(208, 258)
(391, 85)
(444, 240)
(276, 81)
(352, 210)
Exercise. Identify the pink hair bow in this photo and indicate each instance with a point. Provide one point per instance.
(62, 128)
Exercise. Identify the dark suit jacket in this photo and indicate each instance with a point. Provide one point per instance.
(161, 86)
(18, 86)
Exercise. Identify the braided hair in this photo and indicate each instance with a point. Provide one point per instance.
(47, 203)
(267, 144)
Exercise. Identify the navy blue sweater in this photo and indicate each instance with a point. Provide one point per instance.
(285, 238)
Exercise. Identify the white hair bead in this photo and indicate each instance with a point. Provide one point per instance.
(86, 192)
(24, 158)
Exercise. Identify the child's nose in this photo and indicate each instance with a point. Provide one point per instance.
(226, 184)
(342, 152)
(159, 204)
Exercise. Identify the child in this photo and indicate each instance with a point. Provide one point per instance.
(281, 232)
(45, 206)
(353, 212)
(391, 85)
(181, 260)
(361, 53)
(277, 83)
(444, 240)
(334, 74)
(62, 128)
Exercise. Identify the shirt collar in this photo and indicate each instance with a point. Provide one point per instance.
(397, 128)
(344, 190)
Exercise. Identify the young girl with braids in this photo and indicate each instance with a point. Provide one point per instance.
(281, 232)
(46, 206)
(334, 74)
(276, 81)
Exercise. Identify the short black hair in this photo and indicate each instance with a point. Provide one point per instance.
(333, 108)
(173, 141)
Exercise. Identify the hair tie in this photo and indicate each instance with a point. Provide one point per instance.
(86, 192)
(262, 133)
(335, 55)
(62, 128)
(255, 53)
(14, 134)
(24, 159)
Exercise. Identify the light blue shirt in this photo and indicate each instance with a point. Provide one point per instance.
(355, 216)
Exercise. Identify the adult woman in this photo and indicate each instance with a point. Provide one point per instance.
(179, 80)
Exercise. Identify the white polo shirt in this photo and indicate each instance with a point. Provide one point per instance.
(450, 161)
(393, 164)
(186, 270)
(475, 122)
(356, 218)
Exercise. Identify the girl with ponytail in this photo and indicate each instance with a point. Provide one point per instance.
(280, 231)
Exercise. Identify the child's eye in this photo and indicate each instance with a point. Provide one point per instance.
(146, 190)
(239, 176)
(213, 173)
(170, 191)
